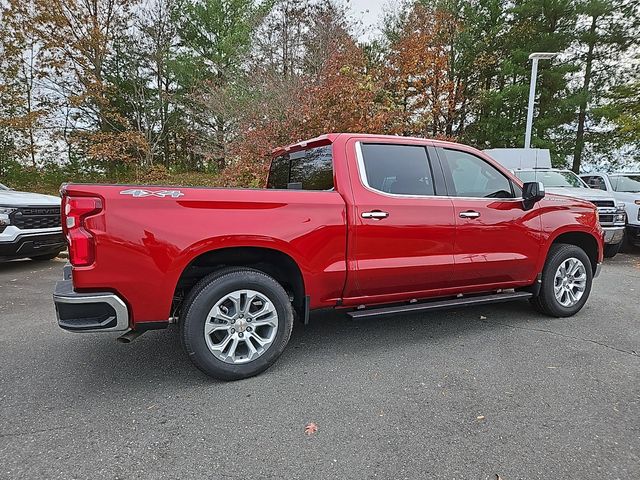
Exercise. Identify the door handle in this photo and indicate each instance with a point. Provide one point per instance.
(469, 214)
(375, 214)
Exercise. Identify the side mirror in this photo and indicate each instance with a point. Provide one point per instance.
(532, 193)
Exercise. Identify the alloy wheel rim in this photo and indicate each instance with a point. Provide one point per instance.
(570, 282)
(241, 326)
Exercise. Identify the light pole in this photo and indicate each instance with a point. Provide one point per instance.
(532, 91)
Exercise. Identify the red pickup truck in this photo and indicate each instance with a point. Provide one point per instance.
(372, 224)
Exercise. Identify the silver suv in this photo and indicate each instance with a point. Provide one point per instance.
(564, 182)
(29, 225)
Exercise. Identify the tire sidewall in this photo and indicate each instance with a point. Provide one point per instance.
(199, 308)
(548, 280)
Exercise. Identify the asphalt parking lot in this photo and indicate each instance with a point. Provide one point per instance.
(468, 394)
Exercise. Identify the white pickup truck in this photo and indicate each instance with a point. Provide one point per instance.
(564, 182)
(534, 165)
(29, 225)
(624, 187)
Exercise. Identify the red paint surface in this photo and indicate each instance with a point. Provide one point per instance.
(423, 249)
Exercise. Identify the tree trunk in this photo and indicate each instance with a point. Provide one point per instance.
(584, 101)
(220, 141)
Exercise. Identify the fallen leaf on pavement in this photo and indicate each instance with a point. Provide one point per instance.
(310, 428)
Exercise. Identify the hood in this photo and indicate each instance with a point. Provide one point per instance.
(26, 199)
(583, 193)
(627, 197)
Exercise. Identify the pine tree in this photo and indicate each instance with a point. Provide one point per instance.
(607, 29)
(214, 41)
(524, 27)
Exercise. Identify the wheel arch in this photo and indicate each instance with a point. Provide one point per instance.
(582, 239)
(272, 261)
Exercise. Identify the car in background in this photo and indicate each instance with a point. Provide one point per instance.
(611, 213)
(624, 187)
(29, 225)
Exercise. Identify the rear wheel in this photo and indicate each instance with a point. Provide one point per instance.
(566, 281)
(236, 323)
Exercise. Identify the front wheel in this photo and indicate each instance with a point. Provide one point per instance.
(236, 323)
(627, 243)
(566, 281)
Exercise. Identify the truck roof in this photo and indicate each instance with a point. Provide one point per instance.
(329, 138)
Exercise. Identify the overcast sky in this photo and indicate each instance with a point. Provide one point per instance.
(369, 12)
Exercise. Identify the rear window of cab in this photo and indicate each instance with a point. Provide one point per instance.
(305, 170)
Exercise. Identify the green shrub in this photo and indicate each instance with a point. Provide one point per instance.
(48, 178)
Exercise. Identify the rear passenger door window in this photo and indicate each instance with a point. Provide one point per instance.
(397, 169)
(470, 176)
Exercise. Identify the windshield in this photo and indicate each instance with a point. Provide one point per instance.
(626, 183)
(551, 178)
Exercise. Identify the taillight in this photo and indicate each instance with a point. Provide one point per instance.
(82, 247)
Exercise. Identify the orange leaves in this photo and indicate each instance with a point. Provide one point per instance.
(77, 38)
(418, 75)
(124, 147)
(310, 429)
(340, 97)
(412, 91)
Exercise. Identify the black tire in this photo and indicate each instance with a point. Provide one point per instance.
(204, 296)
(546, 301)
(627, 244)
(44, 258)
(611, 251)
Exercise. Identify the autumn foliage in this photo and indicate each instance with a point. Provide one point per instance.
(410, 95)
(418, 78)
(342, 97)
(211, 86)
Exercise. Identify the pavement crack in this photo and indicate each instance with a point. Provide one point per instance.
(633, 353)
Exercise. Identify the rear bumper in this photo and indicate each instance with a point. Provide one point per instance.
(32, 245)
(613, 235)
(89, 312)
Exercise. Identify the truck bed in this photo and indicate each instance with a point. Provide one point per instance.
(158, 236)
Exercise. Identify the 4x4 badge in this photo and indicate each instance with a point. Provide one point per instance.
(138, 193)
